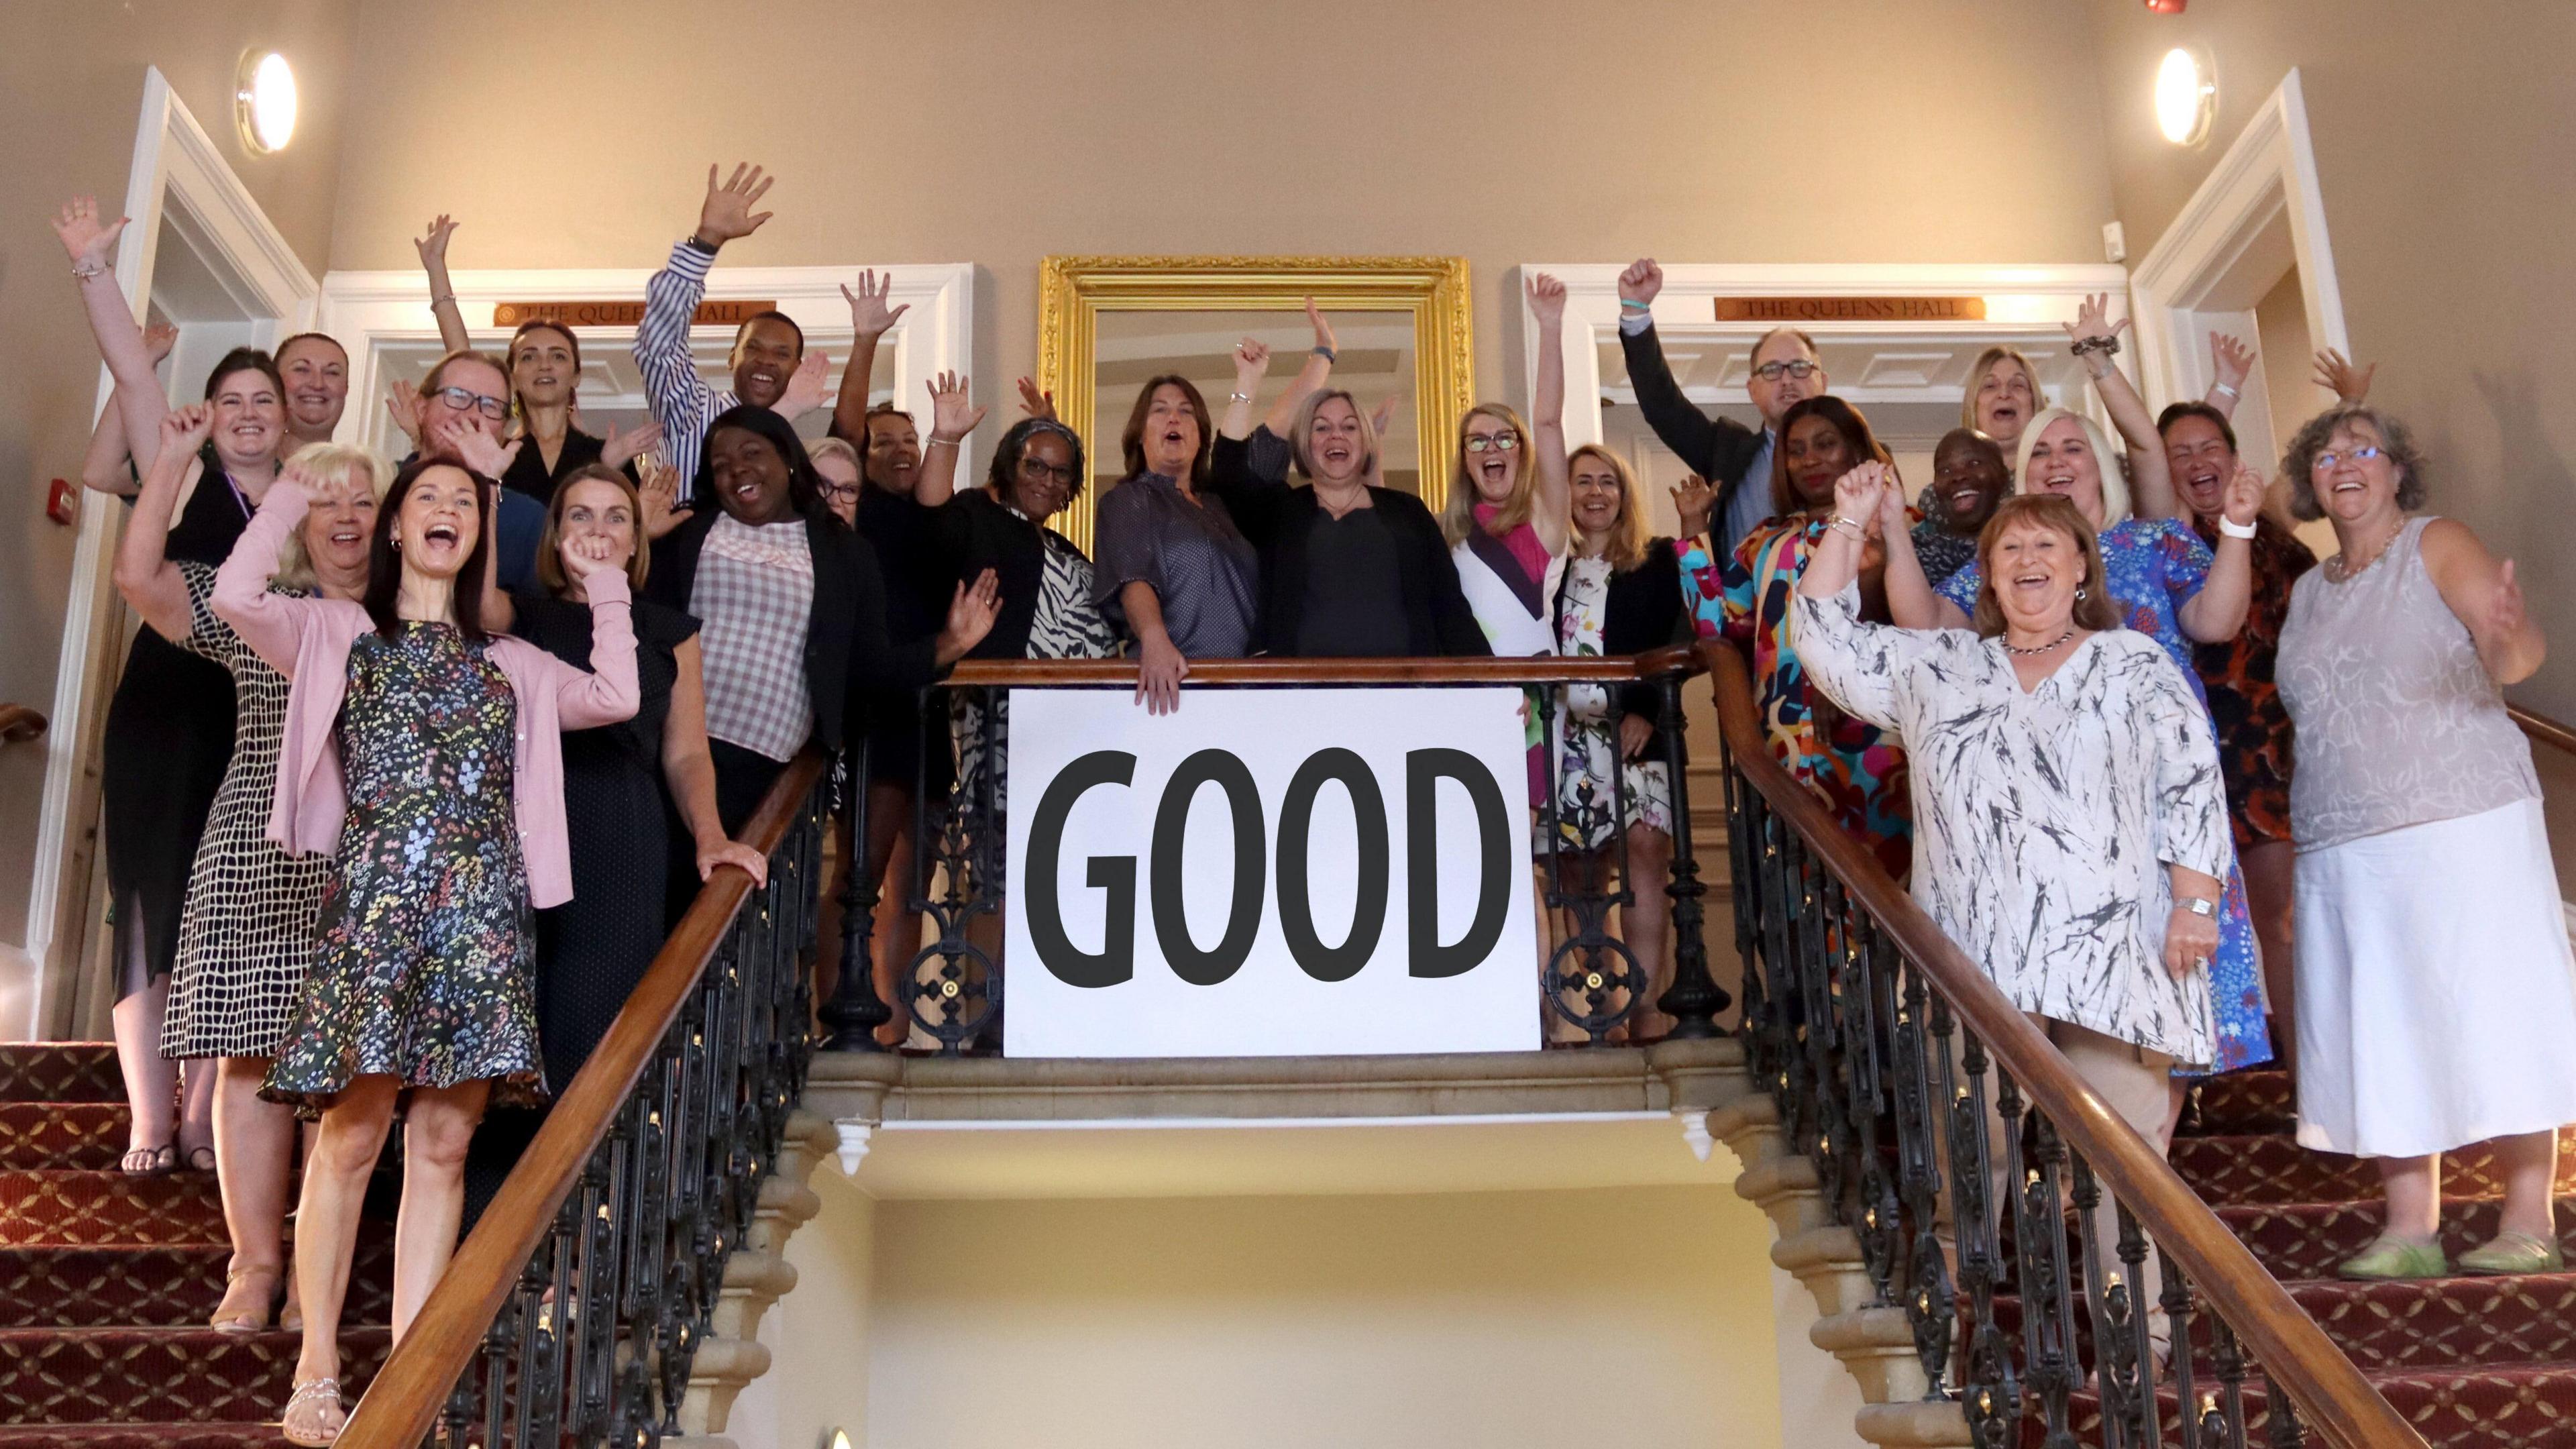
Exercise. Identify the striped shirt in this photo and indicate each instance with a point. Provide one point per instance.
(681, 400)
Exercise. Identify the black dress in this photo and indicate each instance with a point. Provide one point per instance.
(594, 948)
(529, 474)
(168, 741)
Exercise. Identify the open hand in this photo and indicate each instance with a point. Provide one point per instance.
(623, 447)
(1547, 298)
(2093, 321)
(2348, 383)
(659, 494)
(727, 213)
(403, 401)
(88, 239)
(953, 413)
(2231, 359)
(2506, 611)
(1384, 417)
(158, 339)
(1694, 501)
(869, 315)
(2244, 497)
(1035, 403)
(809, 386)
(971, 612)
(433, 247)
(454, 437)
(1323, 329)
(1641, 281)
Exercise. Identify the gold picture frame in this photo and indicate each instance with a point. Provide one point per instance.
(1074, 291)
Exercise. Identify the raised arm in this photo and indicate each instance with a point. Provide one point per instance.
(1910, 595)
(870, 320)
(607, 692)
(691, 771)
(2484, 595)
(677, 394)
(2230, 363)
(273, 625)
(442, 292)
(1551, 511)
(1856, 664)
(2337, 375)
(150, 583)
(1311, 377)
(140, 398)
(2213, 615)
(2095, 341)
(104, 466)
(1251, 364)
(1718, 449)
(953, 415)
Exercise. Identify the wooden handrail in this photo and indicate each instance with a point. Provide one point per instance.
(2543, 729)
(1541, 669)
(19, 724)
(2330, 1392)
(407, 1393)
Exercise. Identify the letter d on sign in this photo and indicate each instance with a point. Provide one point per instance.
(1423, 771)
(1115, 874)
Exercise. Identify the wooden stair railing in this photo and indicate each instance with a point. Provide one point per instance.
(1851, 997)
(2543, 730)
(586, 1286)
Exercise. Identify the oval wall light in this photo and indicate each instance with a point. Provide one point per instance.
(264, 104)
(2186, 97)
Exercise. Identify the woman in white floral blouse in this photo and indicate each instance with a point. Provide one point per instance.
(2070, 824)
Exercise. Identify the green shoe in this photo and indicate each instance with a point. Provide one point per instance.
(2390, 1257)
(2514, 1253)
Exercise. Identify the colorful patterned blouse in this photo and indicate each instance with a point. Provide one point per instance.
(2254, 746)
(1857, 768)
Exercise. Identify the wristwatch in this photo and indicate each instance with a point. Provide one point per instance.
(2197, 905)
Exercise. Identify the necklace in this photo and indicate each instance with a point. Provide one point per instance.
(2044, 648)
(2346, 570)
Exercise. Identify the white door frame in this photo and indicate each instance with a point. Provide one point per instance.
(371, 312)
(2268, 173)
(178, 173)
(2024, 305)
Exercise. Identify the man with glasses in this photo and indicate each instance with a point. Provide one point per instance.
(1720, 449)
(461, 414)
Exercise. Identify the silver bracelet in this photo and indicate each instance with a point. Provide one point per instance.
(2198, 905)
(2223, 387)
(83, 271)
(1242, 397)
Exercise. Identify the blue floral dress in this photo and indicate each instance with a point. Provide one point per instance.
(425, 970)
(2154, 566)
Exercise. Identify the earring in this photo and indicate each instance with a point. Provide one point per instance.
(2079, 595)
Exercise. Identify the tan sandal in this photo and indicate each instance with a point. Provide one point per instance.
(313, 1391)
(231, 1319)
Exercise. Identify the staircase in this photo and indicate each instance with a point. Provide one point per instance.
(106, 1281)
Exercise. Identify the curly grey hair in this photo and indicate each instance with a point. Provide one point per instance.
(2298, 465)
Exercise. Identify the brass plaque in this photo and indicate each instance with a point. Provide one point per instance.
(1790, 310)
(619, 313)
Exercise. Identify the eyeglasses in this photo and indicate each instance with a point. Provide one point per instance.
(1491, 442)
(1800, 369)
(1038, 470)
(2362, 454)
(836, 491)
(463, 399)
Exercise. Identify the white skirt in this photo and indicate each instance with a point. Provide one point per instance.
(2436, 992)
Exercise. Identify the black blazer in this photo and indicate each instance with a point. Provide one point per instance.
(975, 533)
(1718, 449)
(1276, 519)
(1643, 612)
(845, 637)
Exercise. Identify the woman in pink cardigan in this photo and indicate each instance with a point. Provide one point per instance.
(423, 754)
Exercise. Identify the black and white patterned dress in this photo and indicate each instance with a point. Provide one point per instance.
(1068, 625)
(246, 936)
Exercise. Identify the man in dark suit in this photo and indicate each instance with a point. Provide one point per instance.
(1732, 457)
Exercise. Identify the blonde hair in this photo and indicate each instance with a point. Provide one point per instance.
(549, 556)
(1458, 515)
(1984, 364)
(2058, 514)
(1301, 433)
(1626, 545)
(840, 448)
(326, 463)
(2115, 484)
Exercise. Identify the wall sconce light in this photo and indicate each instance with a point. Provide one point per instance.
(264, 102)
(2186, 97)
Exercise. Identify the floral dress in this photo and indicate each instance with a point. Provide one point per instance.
(1587, 808)
(426, 966)
(2153, 567)
(2254, 734)
(1856, 767)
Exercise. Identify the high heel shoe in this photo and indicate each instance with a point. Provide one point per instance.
(311, 1436)
(231, 1319)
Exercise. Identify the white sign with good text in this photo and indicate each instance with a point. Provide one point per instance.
(1269, 872)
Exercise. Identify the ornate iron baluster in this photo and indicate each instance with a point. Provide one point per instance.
(2227, 1428)
(1990, 1389)
(953, 986)
(2176, 1301)
(1747, 838)
(1591, 981)
(2119, 1308)
(1694, 999)
(1869, 990)
(2039, 1235)
(1931, 1304)
(2281, 1417)
(856, 1010)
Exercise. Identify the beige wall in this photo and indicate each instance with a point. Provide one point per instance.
(1707, 130)
(1496, 1319)
(2441, 145)
(71, 85)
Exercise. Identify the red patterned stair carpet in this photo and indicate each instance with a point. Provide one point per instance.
(2472, 1363)
(106, 1281)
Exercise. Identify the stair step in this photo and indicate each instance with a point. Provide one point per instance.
(160, 1287)
(163, 1375)
(142, 1436)
(60, 1071)
(2256, 1100)
(2308, 1240)
(2258, 1169)
(2502, 1406)
(49, 1206)
(89, 1135)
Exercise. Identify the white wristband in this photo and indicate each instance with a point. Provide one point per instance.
(2223, 387)
(2234, 529)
